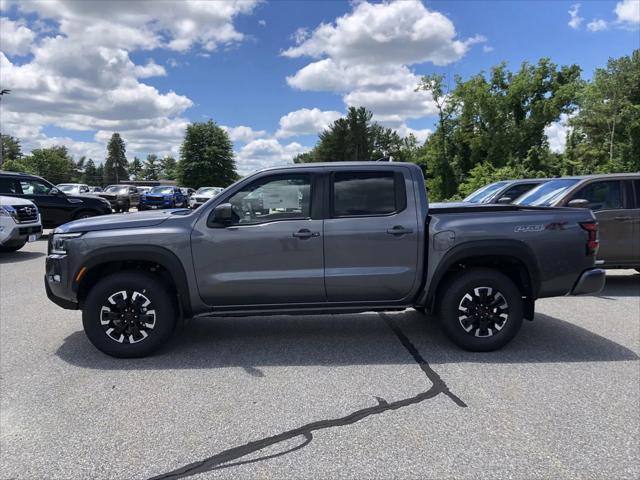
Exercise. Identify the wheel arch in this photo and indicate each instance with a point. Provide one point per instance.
(513, 258)
(158, 260)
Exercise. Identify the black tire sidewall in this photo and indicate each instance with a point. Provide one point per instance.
(455, 290)
(153, 289)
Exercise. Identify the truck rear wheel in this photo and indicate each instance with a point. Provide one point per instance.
(129, 314)
(481, 310)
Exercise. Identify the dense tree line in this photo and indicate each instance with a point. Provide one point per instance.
(490, 127)
(206, 159)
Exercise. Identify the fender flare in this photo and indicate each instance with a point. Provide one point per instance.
(148, 253)
(481, 248)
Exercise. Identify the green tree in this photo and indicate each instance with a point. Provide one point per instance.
(606, 128)
(115, 166)
(135, 168)
(168, 168)
(151, 168)
(100, 176)
(206, 157)
(9, 148)
(90, 175)
(499, 119)
(52, 163)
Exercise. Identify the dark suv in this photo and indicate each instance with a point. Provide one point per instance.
(55, 206)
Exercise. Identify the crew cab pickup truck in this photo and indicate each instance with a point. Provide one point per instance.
(327, 238)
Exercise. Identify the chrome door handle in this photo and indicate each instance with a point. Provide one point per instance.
(399, 230)
(306, 233)
(622, 219)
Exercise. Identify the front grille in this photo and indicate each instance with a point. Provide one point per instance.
(201, 199)
(26, 213)
(154, 200)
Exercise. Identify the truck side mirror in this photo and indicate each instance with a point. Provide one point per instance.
(578, 203)
(57, 193)
(223, 214)
(504, 200)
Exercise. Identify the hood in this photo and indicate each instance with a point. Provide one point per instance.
(15, 201)
(116, 221)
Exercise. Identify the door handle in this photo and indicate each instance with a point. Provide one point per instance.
(399, 230)
(306, 233)
(622, 219)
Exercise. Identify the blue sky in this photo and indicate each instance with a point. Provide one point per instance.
(272, 73)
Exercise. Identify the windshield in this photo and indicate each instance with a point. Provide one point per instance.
(161, 190)
(546, 194)
(208, 190)
(116, 189)
(67, 188)
(479, 196)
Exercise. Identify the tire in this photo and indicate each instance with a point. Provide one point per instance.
(126, 207)
(113, 337)
(12, 248)
(495, 298)
(84, 214)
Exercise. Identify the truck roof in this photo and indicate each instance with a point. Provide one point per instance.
(341, 164)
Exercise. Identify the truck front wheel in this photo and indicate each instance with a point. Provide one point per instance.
(129, 314)
(481, 309)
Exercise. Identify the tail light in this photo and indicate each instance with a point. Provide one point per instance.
(592, 243)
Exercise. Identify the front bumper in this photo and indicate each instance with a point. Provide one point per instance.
(58, 282)
(19, 233)
(590, 281)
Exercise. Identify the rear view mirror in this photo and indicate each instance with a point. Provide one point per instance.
(222, 214)
(578, 203)
(505, 200)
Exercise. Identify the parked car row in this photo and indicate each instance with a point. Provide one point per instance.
(613, 198)
(62, 203)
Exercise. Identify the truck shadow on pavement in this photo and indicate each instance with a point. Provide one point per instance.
(19, 256)
(254, 342)
(621, 286)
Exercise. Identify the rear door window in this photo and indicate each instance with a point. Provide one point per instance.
(606, 195)
(10, 185)
(367, 193)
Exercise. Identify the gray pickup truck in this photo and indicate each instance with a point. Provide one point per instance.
(326, 238)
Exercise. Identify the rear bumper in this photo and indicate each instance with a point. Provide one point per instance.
(590, 281)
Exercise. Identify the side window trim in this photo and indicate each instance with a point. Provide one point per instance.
(398, 188)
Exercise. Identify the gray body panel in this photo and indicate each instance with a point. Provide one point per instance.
(353, 264)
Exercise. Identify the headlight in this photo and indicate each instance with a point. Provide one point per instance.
(58, 243)
(8, 211)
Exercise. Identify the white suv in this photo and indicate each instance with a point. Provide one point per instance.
(19, 223)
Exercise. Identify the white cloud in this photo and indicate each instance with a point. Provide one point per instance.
(399, 32)
(15, 37)
(596, 25)
(366, 56)
(103, 92)
(628, 12)
(575, 20)
(557, 134)
(420, 134)
(243, 133)
(262, 23)
(487, 48)
(306, 121)
(264, 153)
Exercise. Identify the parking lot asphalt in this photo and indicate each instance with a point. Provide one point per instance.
(343, 396)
